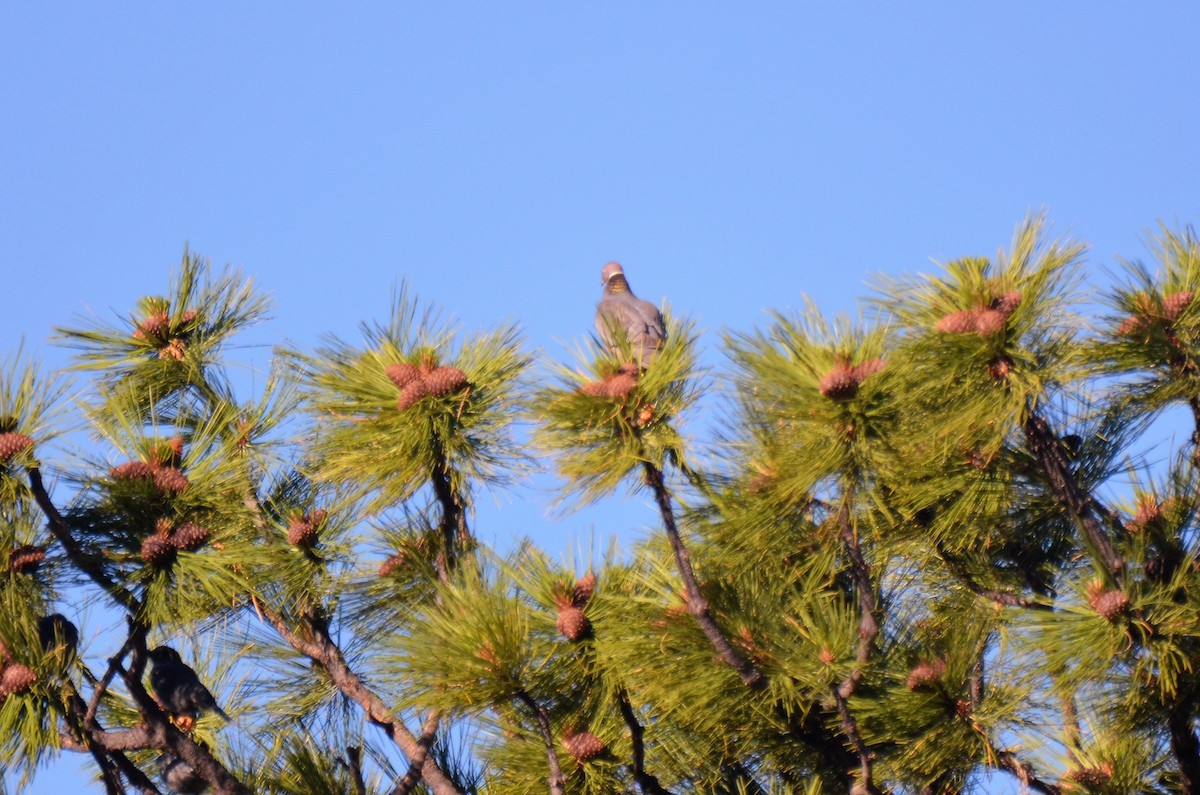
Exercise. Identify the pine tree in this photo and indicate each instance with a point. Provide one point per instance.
(921, 548)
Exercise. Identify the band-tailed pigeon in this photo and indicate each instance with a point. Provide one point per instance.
(620, 313)
(179, 775)
(56, 630)
(178, 688)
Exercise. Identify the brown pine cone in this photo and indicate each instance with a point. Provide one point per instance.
(410, 394)
(572, 623)
(170, 453)
(26, 559)
(403, 374)
(394, 562)
(840, 383)
(1175, 303)
(1008, 303)
(132, 470)
(16, 678)
(867, 369)
(585, 588)
(990, 322)
(174, 349)
(958, 322)
(170, 480)
(158, 550)
(156, 326)
(301, 531)
(925, 673)
(1091, 777)
(189, 536)
(1133, 325)
(445, 381)
(583, 746)
(12, 445)
(1109, 603)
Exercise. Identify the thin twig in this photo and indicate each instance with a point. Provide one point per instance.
(555, 779)
(648, 783)
(999, 597)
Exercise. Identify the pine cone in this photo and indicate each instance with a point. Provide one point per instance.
(1175, 303)
(156, 326)
(445, 381)
(173, 350)
(158, 550)
(840, 383)
(403, 374)
(990, 322)
(1149, 512)
(925, 673)
(132, 470)
(170, 453)
(12, 445)
(410, 394)
(26, 559)
(394, 562)
(1000, 367)
(189, 537)
(585, 588)
(170, 480)
(1133, 325)
(958, 322)
(16, 678)
(825, 656)
(1091, 777)
(584, 746)
(868, 368)
(1007, 303)
(301, 531)
(1109, 603)
(572, 623)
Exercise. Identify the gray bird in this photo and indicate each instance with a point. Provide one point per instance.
(55, 630)
(622, 315)
(178, 688)
(179, 775)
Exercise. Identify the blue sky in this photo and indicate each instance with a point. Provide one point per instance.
(734, 157)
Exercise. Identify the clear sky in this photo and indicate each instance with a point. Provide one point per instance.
(735, 157)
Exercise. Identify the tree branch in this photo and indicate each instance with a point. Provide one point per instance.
(1184, 746)
(1008, 762)
(555, 779)
(413, 777)
(323, 651)
(1044, 444)
(697, 604)
(860, 572)
(649, 784)
(999, 597)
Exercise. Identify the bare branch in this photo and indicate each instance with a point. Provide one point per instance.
(648, 783)
(555, 780)
(697, 604)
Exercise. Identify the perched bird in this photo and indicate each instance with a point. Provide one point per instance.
(179, 775)
(178, 689)
(55, 630)
(622, 315)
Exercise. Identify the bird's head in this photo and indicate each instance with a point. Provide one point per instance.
(610, 270)
(164, 655)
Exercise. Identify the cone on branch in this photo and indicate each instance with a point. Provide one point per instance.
(304, 529)
(445, 381)
(1088, 778)
(157, 550)
(411, 394)
(189, 536)
(1109, 603)
(26, 559)
(616, 386)
(12, 445)
(170, 480)
(958, 322)
(840, 383)
(132, 470)
(583, 746)
(925, 673)
(16, 679)
(585, 588)
(573, 623)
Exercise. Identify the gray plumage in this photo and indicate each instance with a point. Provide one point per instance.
(621, 314)
(179, 775)
(177, 687)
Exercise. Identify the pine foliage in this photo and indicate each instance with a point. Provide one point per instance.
(922, 548)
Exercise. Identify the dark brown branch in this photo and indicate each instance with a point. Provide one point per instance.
(1008, 762)
(1184, 746)
(850, 728)
(1044, 445)
(697, 604)
(79, 557)
(354, 762)
(647, 783)
(555, 779)
(868, 624)
(413, 777)
(322, 650)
